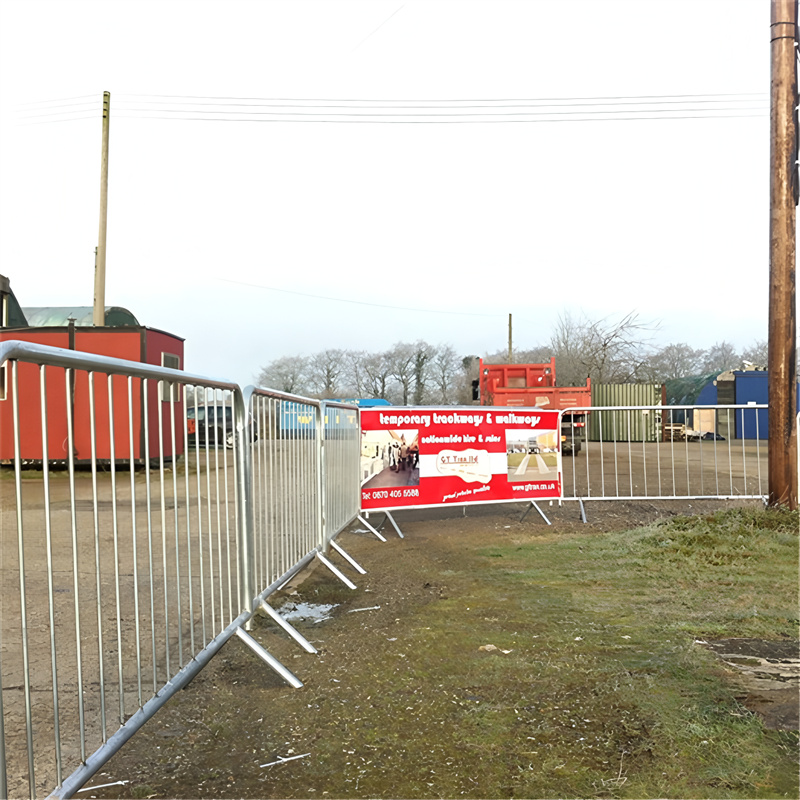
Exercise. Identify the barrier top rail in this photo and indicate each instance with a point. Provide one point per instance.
(295, 398)
(77, 359)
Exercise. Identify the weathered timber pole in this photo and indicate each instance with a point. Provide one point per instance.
(782, 361)
(99, 309)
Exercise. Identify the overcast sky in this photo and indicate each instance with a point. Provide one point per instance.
(593, 157)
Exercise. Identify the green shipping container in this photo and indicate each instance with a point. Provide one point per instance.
(634, 426)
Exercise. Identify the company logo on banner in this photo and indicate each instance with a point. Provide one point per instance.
(416, 456)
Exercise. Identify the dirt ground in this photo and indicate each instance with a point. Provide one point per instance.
(214, 739)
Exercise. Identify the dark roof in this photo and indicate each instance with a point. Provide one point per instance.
(59, 316)
(16, 318)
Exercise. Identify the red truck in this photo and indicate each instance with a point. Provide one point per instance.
(534, 385)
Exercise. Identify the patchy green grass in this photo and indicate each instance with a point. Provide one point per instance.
(603, 691)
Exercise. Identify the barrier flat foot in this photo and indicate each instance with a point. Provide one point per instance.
(269, 659)
(371, 529)
(290, 629)
(541, 513)
(337, 572)
(348, 558)
(391, 519)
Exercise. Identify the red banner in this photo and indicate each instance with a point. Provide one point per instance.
(419, 456)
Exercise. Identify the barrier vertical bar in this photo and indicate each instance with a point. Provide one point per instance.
(68, 379)
(115, 540)
(657, 428)
(672, 452)
(200, 556)
(758, 454)
(211, 580)
(149, 501)
(175, 524)
(221, 581)
(190, 572)
(135, 546)
(602, 452)
(247, 561)
(686, 453)
(96, 514)
(23, 600)
(700, 446)
(49, 553)
(616, 457)
(643, 434)
(321, 520)
(224, 445)
(744, 454)
(630, 457)
(162, 490)
(730, 437)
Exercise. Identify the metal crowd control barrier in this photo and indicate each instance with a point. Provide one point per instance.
(305, 460)
(663, 452)
(154, 511)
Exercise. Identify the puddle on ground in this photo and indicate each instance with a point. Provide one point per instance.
(768, 674)
(306, 612)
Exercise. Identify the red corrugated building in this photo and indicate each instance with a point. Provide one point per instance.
(121, 337)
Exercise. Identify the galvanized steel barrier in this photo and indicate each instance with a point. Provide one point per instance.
(305, 461)
(664, 452)
(154, 511)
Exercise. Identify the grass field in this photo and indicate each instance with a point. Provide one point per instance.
(596, 686)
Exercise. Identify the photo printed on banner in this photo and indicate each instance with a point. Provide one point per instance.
(389, 458)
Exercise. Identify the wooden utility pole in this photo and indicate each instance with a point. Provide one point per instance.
(99, 310)
(510, 342)
(782, 458)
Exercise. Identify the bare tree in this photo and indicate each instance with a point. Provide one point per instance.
(286, 374)
(325, 372)
(674, 361)
(422, 358)
(536, 355)
(402, 362)
(378, 375)
(756, 354)
(355, 382)
(606, 350)
(720, 357)
(445, 368)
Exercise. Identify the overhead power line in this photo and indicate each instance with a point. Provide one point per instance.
(358, 302)
(440, 121)
(487, 104)
(359, 111)
(448, 100)
(98, 96)
(452, 111)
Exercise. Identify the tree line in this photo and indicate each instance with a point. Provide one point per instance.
(419, 373)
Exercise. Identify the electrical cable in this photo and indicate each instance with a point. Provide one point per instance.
(60, 99)
(358, 302)
(435, 114)
(420, 105)
(461, 100)
(437, 121)
(52, 121)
